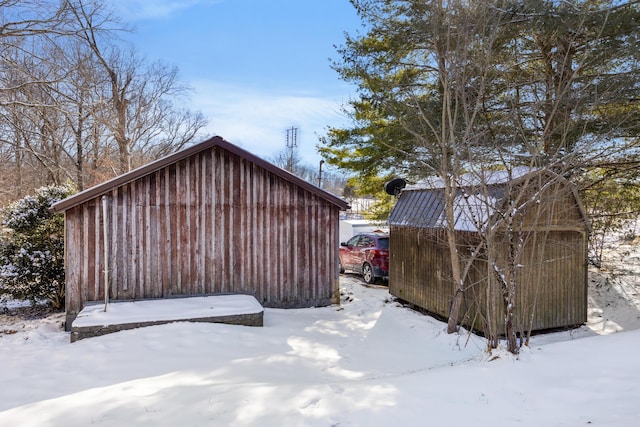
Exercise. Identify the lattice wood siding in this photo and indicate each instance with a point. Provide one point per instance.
(211, 223)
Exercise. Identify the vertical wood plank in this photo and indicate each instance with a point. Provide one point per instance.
(194, 223)
(132, 241)
(213, 231)
(223, 225)
(158, 251)
(214, 222)
(85, 250)
(230, 222)
(175, 228)
(115, 238)
(189, 228)
(258, 241)
(73, 240)
(294, 244)
(147, 244)
(180, 227)
(202, 224)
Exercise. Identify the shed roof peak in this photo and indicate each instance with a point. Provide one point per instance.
(156, 165)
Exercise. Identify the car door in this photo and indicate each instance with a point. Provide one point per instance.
(349, 253)
(360, 253)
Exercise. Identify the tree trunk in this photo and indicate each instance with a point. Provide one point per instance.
(509, 291)
(456, 271)
(79, 151)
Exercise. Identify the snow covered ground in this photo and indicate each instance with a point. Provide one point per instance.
(167, 310)
(369, 362)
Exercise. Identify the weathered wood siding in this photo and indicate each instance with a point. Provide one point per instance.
(552, 272)
(420, 268)
(211, 223)
(552, 278)
(555, 207)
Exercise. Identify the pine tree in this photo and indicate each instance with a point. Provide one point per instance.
(448, 87)
(32, 250)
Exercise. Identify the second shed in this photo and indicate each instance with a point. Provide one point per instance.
(549, 231)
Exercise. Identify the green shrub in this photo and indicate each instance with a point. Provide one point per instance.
(32, 248)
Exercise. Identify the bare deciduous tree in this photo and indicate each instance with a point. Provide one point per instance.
(139, 115)
(79, 103)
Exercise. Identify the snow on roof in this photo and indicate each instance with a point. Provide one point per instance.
(478, 194)
(483, 177)
(426, 209)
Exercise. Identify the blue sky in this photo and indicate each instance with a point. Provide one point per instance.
(257, 67)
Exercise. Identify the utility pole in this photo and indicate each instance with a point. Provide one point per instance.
(292, 143)
(320, 174)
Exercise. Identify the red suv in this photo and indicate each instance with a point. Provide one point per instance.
(366, 254)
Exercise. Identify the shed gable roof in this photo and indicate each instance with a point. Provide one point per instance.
(477, 201)
(425, 208)
(216, 141)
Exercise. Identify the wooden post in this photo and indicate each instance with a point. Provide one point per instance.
(106, 251)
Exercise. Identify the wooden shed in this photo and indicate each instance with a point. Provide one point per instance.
(550, 231)
(211, 219)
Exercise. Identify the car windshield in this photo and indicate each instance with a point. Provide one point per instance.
(383, 243)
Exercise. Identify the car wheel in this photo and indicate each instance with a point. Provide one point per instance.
(367, 273)
(340, 267)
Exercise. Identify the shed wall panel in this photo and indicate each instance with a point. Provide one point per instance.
(551, 273)
(211, 223)
(551, 293)
(419, 268)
